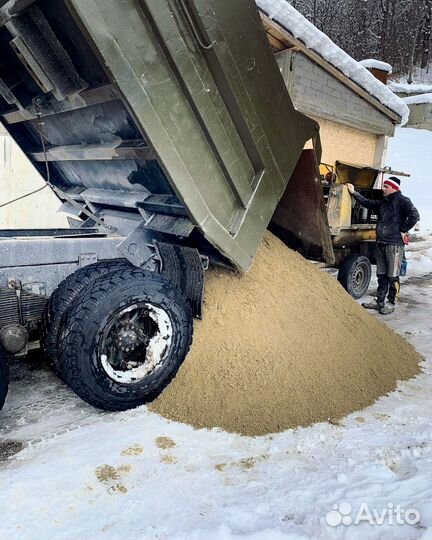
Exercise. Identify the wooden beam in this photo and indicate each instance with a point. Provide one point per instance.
(318, 59)
(276, 45)
(276, 34)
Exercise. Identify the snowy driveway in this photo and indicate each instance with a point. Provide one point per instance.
(134, 475)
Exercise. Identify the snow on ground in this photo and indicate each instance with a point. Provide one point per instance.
(293, 21)
(68, 471)
(135, 475)
(410, 151)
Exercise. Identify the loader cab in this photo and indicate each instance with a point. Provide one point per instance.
(344, 214)
(367, 181)
(327, 178)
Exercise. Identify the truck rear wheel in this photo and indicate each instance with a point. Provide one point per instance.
(355, 274)
(124, 338)
(63, 296)
(4, 377)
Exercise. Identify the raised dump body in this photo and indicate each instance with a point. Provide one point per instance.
(166, 128)
(172, 110)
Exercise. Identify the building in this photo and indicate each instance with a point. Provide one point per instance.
(357, 113)
(18, 177)
(418, 97)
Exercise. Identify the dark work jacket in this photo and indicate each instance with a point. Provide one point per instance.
(396, 214)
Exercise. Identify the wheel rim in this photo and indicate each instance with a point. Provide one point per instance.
(360, 278)
(135, 342)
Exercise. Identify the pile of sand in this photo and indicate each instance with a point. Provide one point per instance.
(280, 347)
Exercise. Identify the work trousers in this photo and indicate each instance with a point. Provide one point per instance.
(389, 258)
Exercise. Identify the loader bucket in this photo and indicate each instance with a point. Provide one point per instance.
(300, 219)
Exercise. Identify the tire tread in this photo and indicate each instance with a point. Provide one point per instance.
(63, 297)
(74, 339)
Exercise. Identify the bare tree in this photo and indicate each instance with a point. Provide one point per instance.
(395, 31)
(425, 40)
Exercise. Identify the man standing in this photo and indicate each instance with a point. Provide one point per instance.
(396, 216)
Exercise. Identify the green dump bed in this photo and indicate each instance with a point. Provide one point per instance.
(173, 111)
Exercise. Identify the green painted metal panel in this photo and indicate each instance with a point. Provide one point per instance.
(201, 82)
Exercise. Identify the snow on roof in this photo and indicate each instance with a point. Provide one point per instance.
(410, 88)
(288, 17)
(421, 98)
(371, 63)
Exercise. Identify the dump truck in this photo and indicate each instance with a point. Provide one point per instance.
(166, 131)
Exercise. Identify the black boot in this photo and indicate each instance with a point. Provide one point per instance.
(386, 310)
(373, 305)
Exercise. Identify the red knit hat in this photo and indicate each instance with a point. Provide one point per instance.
(393, 182)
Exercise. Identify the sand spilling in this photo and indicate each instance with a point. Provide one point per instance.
(280, 347)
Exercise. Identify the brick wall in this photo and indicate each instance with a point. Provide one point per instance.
(420, 116)
(316, 92)
(428, 118)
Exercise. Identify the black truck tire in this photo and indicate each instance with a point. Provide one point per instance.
(4, 377)
(124, 338)
(355, 274)
(63, 296)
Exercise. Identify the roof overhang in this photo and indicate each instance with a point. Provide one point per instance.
(281, 39)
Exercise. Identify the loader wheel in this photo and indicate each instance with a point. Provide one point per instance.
(4, 377)
(124, 338)
(63, 297)
(355, 274)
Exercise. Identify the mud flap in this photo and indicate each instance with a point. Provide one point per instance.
(300, 219)
(183, 267)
